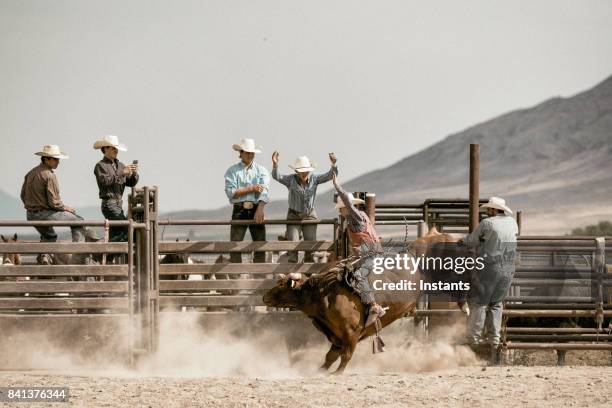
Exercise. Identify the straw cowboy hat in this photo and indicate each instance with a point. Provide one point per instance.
(110, 141)
(52, 151)
(340, 203)
(498, 203)
(302, 165)
(247, 145)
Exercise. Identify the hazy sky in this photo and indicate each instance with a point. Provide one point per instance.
(180, 81)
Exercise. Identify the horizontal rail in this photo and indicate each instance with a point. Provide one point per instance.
(63, 287)
(231, 284)
(62, 303)
(557, 282)
(551, 299)
(554, 330)
(62, 247)
(63, 270)
(238, 268)
(561, 337)
(205, 301)
(583, 306)
(329, 221)
(80, 223)
(559, 238)
(553, 313)
(243, 246)
(559, 346)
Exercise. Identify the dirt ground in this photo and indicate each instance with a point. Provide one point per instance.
(196, 368)
(472, 386)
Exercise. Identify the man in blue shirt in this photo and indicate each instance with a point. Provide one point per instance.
(246, 185)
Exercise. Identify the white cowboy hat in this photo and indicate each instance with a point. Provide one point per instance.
(302, 165)
(247, 145)
(52, 151)
(110, 141)
(340, 203)
(498, 203)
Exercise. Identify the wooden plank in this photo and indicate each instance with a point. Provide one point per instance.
(239, 268)
(243, 246)
(212, 300)
(62, 248)
(64, 270)
(62, 287)
(63, 303)
(186, 285)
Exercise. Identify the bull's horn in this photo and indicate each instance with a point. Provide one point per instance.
(465, 309)
(282, 275)
(293, 284)
(295, 275)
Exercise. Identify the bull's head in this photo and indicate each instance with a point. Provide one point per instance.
(286, 293)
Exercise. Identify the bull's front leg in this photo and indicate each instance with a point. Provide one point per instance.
(331, 356)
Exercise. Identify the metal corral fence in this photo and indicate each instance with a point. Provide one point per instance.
(230, 286)
(160, 275)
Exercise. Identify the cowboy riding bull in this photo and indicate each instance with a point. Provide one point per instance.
(340, 301)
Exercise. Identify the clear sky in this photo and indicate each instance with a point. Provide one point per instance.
(180, 81)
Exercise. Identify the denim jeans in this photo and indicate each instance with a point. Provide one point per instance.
(360, 280)
(237, 233)
(113, 211)
(485, 316)
(47, 234)
(309, 232)
(485, 299)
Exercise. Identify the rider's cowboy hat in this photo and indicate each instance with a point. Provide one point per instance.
(110, 141)
(340, 203)
(499, 204)
(52, 151)
(247, 145)
(302, 165)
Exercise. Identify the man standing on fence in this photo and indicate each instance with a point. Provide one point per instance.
(302, 186)
(112, 177)
(495, 239)
(246, 185)
(41, 198)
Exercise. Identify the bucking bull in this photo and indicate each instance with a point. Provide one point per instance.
(336, 310)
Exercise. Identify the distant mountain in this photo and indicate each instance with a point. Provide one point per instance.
(553, 161)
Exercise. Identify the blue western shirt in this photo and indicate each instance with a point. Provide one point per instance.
(240, 176)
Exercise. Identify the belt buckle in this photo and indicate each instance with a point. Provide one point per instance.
(247, 205)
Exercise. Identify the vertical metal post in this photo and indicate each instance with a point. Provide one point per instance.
(421, 229)
(423, 301)
(155, 274)
(130, 263)
(146, 277)
(474, 185)
(370, 204)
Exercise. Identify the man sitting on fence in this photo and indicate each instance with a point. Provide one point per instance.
(112, 177)
(495, 239)
(246, 185)
(41, 198)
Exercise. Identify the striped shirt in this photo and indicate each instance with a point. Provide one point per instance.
(302, 197)
(240, 176)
